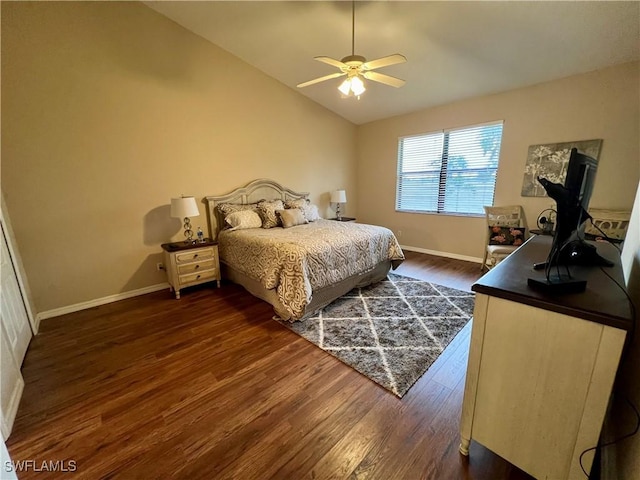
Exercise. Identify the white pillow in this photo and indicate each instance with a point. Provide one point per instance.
(311, 213)
(309, 210)
(243, 219)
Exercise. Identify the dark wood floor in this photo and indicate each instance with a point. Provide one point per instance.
(211, 387)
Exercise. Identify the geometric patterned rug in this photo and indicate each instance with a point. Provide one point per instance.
(391, 331)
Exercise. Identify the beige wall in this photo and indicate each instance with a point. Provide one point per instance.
(108, 111)
(603, 104)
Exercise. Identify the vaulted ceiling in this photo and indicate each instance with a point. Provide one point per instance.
(455, 50)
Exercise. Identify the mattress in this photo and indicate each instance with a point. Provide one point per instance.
(294, 262)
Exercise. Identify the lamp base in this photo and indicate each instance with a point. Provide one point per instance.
(187, 231)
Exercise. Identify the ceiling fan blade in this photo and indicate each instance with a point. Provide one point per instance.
(384, 61)
(382, 78)
(321, 79)
(331, 61)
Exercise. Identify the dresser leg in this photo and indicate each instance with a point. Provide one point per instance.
(464, 446)
(177, 294)
(218, 283)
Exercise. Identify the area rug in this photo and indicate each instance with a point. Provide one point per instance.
(391, 331)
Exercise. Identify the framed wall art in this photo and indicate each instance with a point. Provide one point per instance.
(550, 161)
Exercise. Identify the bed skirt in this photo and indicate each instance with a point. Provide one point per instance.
(320, 298)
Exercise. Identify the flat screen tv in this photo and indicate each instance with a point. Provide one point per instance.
(569, 246)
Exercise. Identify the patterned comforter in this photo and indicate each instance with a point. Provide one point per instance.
(295, 261)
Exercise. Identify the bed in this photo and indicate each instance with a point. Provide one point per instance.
(300, 269)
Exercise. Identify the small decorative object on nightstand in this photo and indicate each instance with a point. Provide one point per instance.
(190, 264)
(344, 219)
(338, 197)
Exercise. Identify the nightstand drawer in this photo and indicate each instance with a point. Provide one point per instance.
(197, 277)
(194, 267)
(191, 256)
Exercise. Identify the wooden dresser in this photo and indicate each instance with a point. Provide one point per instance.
(541, 367)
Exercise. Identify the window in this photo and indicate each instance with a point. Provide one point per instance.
(453, 171)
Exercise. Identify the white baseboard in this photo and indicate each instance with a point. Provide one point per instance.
(442, 254)
(56, 312)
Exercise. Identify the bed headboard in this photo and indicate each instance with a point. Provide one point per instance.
(261, 189)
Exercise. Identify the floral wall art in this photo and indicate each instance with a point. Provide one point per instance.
(550, 161)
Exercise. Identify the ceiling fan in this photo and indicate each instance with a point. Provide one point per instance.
(357, 68)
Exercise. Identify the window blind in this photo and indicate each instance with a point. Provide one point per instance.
(452, 171)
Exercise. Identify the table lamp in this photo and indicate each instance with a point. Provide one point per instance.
(185, 207)
(338, 197)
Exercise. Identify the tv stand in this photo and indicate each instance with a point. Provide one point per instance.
(541, 366)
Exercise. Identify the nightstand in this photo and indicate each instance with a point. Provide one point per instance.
(191, 264)
(343, 219)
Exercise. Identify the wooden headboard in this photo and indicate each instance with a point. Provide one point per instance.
(261, 189)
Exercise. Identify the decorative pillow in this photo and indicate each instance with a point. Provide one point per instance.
(309, 210)
(506, 235)
(267, 211)
(228, 208)
(297, 203)
(291, 217)
(243, 219)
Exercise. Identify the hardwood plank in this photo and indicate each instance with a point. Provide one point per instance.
(209, 386)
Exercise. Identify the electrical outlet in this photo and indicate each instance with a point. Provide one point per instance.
(159, 266)
(399, 233)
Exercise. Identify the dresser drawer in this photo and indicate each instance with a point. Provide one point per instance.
(196, 267)
(193, 255)
(197, 277)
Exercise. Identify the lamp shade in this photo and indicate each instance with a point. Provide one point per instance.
(184, 207)
(339, 196)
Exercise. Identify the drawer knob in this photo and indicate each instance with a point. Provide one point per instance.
(198, 276)
(195, 255)
(197, 266)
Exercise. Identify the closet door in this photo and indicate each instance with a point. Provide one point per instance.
(13, 312)
(12, 385)
(15, 334)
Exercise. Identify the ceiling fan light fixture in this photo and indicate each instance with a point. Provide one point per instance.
(357, 86)
(356, 68)
(345, 87)
(352, 86)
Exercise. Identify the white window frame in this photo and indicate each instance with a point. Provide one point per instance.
(440, 210)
